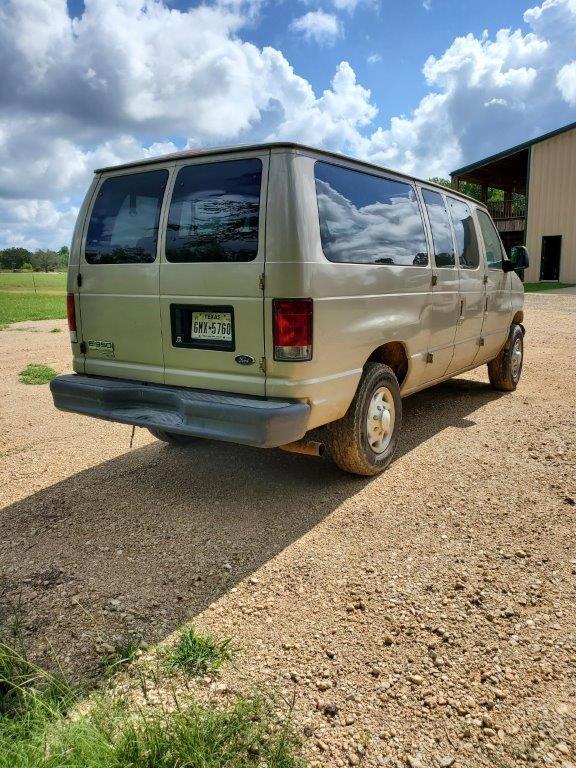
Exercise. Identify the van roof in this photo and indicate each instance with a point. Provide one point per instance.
(275, 145)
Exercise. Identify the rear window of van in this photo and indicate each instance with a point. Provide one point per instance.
(123, 226)
(367, 219)
(214, 212)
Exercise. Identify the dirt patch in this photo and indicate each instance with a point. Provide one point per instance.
(418, 618)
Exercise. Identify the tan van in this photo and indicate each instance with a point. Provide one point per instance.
(281, 296)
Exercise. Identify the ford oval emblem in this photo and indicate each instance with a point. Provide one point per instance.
(244, 360)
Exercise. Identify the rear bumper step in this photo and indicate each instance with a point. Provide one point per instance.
(200, 413)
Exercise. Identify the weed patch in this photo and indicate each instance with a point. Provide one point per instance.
(44, 723)
(119, 655)
(198, 654)
(37, 374)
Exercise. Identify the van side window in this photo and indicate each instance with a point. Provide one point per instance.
(366, 219)
(492, 242)
(214, 212)
(123, 226)
(465, 233)
(441, 230)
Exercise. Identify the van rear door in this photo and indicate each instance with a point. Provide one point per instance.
(212, 272)
(118, 281)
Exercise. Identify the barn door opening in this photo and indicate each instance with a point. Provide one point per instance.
(550, 262)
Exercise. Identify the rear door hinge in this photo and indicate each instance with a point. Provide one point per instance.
(83, 347)
(263, 364)
(429, 357)
(262, 281)
(434, 280)
(79, 279)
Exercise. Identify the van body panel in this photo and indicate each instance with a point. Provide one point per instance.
(229, 286)
(445, 303)
(119, 303)
(471, 318)
(357, 307)
(497, 304)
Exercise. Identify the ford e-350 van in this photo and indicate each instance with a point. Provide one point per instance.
(257, 294)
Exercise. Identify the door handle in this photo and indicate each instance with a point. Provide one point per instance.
(461, 316)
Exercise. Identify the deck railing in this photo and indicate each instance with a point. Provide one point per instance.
(509, 208)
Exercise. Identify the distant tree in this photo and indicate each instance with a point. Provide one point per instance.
(473, 190)
(44, 260)
(441, 181)
(13, 258)
(494, 195)
(63, 257)
(27, 267)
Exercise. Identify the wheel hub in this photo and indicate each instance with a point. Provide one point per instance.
(380, 420)
(516, 359)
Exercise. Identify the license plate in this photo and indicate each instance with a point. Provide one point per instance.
(211, 326)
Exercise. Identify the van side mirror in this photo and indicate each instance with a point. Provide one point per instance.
(519, 259)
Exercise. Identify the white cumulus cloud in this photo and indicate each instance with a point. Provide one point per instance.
(318, 26)
(134, 78)
(566, 82)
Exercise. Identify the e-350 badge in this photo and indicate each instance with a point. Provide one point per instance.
(104, 348)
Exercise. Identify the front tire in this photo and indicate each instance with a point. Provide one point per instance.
(505, 370)
(363, 442)
(172, 438)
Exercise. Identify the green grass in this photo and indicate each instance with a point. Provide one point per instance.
(47, 723)
(40, 282)
(15, 307)
(535, 287)
(32, 296)
(198, 654)
(37, 374)
(119, 655)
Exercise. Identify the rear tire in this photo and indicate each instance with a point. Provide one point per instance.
(505, 370)
(363, 442)
(172, 438)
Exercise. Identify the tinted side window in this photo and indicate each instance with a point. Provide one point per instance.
(492, 243)
(214, 212)
(123, 226)
(465, 233)
(366, 219)
(441, 230)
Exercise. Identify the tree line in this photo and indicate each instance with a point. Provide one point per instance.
(41, 260)
(475, 190)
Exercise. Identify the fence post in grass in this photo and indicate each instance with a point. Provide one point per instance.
(34, 283)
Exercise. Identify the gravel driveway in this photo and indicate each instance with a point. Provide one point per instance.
(424, 618)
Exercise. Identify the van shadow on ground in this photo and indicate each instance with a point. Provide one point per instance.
(139, 544)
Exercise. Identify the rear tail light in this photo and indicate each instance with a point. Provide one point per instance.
(71, 314)
(292, 329)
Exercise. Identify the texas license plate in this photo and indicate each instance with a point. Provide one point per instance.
(211, 326)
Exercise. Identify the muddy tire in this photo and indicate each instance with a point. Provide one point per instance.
(363, 442)
(173, 438)
(505, 370)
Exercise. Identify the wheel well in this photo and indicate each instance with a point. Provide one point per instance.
(394, 355)
(518, 317)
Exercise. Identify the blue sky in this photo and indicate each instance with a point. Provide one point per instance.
(419, 85)
(403, 34)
